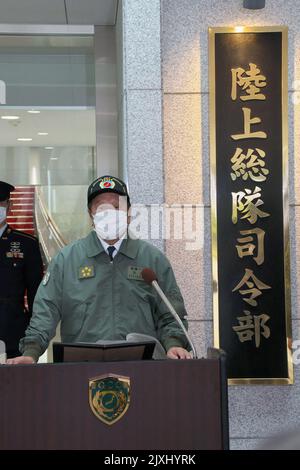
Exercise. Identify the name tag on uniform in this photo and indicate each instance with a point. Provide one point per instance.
(85, 272)
(135, 273)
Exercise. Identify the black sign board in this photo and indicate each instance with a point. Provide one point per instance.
(250, 245)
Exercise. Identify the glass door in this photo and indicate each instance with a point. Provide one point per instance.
(47, 127)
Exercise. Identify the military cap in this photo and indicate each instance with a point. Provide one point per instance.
(5, 190)
(107, 184)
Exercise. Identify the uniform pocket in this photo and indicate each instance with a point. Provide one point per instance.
(142, 304)
(72, 322)
(138, 293)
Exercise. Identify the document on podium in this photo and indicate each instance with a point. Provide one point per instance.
(103, 352)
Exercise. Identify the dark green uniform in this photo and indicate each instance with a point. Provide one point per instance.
(21, 271)
(96, 299)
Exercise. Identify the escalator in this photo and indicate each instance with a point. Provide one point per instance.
(21, 216)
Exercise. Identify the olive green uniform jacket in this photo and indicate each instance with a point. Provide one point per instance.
(96, 299)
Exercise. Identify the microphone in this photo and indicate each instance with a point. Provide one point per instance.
(149, 276)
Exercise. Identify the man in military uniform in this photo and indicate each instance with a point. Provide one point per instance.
(21, 271)
(94, 285)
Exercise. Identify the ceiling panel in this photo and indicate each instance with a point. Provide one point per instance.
(97, 12)
(64, 128)
(33, 11)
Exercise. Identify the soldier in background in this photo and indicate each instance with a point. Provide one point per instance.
(21, 271)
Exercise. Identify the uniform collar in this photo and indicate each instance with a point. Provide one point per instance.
(117, 245)
(94, 247)
(129, 247)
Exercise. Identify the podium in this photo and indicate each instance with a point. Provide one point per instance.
(174, 405)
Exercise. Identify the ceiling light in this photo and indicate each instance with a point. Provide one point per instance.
(10, 118)
(24, 139)
(33, 111)
(42, 133)
(53, 158)
(49, 148)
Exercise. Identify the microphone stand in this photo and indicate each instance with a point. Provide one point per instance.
(175, 315)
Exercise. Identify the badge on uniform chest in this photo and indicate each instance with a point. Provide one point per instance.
(15, 251)
(86, 272)
(14, 254)
(135, 273)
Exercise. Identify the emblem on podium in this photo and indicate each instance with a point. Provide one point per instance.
(109, 397)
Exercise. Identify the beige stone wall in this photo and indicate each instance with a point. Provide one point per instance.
(166, 145)
(257, 411)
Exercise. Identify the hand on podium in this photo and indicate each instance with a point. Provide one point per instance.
(178, 353)
(21, 360)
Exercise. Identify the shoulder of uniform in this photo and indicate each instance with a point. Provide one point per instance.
(145, 245)
(23, 234)
(147, 248)
(68, 249)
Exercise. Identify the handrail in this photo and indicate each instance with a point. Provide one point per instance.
(54, 229)
(50, 223)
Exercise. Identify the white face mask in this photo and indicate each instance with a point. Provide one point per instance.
(110, 224)
(3, 212)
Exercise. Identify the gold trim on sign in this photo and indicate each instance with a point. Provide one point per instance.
(212, 124)
(213, 186)
(262, 381)
(285, 202)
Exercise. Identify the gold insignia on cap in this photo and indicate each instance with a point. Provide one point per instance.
(86, 272)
